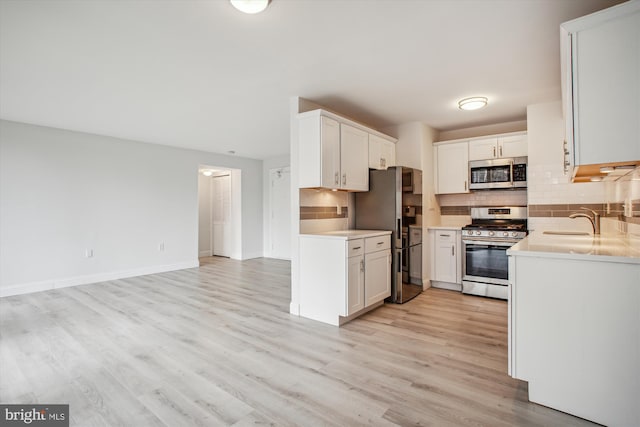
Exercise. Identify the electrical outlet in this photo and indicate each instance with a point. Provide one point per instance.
(88, 253)
(338, 210)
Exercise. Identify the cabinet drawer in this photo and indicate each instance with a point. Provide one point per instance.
(445, 236)
(372, 244)
(355, 247)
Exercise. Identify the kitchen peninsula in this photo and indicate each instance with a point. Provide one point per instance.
(344, 274)
(574, 324)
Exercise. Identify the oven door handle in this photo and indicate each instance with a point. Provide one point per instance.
(506, 243)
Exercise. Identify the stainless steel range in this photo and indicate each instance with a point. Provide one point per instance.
(485, 266)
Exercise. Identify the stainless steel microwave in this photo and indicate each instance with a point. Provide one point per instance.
(498, 173)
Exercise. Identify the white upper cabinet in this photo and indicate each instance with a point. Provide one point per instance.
(497, 147)
(601, 86)
(382, 153)
(354, 158)
(334, 152)
(451, 167)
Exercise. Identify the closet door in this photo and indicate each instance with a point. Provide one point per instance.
(221, 210)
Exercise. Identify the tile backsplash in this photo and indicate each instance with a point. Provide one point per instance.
(461, 204)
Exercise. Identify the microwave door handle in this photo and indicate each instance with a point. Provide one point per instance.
(511, 173)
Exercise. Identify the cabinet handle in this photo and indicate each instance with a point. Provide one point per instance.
(465, 185)
(453, 250)
(380, 243)
(445, 235)
(362, 265)
(501, 151)
(344, 179)
(356, 248)
(337, 178)
(494, 151)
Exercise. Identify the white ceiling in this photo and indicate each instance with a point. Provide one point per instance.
(201, 75)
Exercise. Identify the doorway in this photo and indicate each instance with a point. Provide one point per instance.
(219, 213)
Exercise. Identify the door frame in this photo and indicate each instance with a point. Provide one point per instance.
(235, 201)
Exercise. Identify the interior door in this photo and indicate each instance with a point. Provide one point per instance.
(280, 215)
(221, 212)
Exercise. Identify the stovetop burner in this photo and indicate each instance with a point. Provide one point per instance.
(497, 223)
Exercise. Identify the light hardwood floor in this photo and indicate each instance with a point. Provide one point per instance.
(216, 346)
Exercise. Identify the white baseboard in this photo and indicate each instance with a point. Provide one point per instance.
(251, 255)
(46, 285)
(294, 308)
(204, 253)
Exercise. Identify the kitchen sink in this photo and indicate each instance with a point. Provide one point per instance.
(566, 233)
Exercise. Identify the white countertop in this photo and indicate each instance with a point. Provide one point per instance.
(349, 234)
(444, 227)
(605, 248)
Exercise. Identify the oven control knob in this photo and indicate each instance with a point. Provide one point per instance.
(505, 234)
(491, 233)
(514, 234)
(478, 233)
(470, 233)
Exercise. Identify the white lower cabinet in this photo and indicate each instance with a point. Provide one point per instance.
(377, 275)
(343, 274)
(574, 332)
(355, 284)
(446, 260)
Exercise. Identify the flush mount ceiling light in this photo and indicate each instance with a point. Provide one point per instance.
(207, 172)
(250, 6)
(472, 103)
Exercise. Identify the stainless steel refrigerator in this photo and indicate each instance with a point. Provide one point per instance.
(381, 208)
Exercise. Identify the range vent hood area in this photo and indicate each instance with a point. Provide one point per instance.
(606, 171)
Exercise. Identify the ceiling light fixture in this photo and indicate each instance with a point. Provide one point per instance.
(472, 103)
(250, 6)
(595, 179)
(207, 172)
(606, 169)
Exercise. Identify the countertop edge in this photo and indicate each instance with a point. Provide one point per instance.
(556, 249)
(347, 234)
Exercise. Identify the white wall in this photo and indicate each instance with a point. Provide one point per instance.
(62, 192)
(546, 181)
(476, 131)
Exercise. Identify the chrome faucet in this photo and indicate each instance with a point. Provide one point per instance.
(595, 220)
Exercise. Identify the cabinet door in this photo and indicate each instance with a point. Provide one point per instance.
(452, 168)
(606, 87)
(377, 276)
(388, 154)
(445, 257)
(415, 262)
(355, 284)
(375, 152)
(417, 181)
(512, 146)
(354, 158)
(483, 149)
(330, 152)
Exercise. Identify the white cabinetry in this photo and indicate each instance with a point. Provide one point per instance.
(344, 274)
(334, 152)
(497, 147)
(446, 265)
(354, 158)
(601, 87)
(382, 153)
(451, 167)
(377, 273)
(574, 333)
